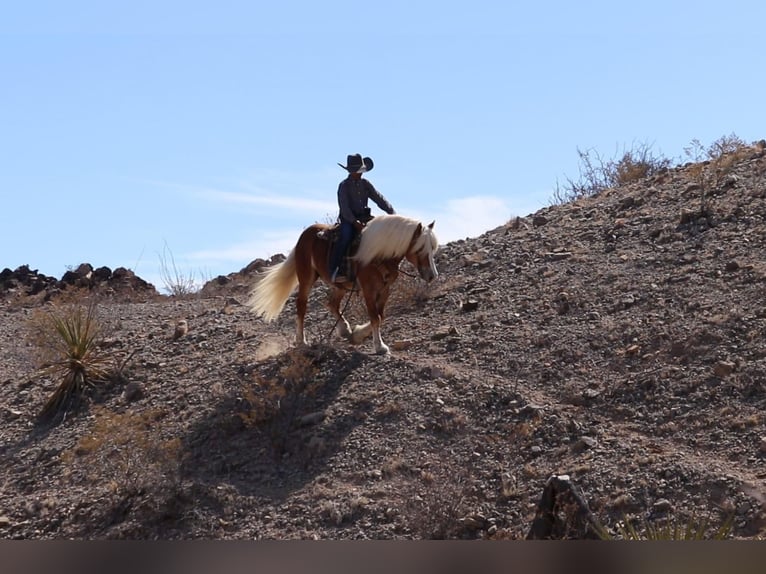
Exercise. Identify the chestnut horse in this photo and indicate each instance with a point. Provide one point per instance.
(385, 242)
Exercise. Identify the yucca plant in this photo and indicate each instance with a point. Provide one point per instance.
(68, 339)
(693, 529)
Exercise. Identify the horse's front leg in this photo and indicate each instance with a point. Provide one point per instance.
(361, 332)
(375, 291)
(377, 342)
(336, 298)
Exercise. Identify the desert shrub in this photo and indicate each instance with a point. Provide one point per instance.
(274, 402)
(409, 292)
(126, 453)
(711, 164)
(67, 339)
(175, 281)
(440, 511)
(598, 174)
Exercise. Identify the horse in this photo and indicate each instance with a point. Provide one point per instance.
(385, 241)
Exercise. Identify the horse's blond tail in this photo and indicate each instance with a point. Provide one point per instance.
(269, 295)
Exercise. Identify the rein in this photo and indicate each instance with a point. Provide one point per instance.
(342, 312)
(407, 273)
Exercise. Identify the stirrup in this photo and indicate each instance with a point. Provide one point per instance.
(339, 278)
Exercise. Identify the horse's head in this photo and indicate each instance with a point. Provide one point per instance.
(422, 251)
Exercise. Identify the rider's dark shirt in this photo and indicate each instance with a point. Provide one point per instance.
(353, 195)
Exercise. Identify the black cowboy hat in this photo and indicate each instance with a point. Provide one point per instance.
(355, 164)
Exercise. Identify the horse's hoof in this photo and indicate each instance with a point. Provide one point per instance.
(384, 350)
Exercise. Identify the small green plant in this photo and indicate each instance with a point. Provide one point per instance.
(68, 339)
(598, 174)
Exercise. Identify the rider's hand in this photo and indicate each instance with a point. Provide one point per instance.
(358, 225)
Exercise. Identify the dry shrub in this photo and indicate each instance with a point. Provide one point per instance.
(273, 403)
(176, 282)
(598, 174)
(409, 291)
(343, 509)
(448, 421)
(712, 164)
(389, 408)
(125, 451)
(441, 511)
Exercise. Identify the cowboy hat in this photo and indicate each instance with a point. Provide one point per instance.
(355, 164)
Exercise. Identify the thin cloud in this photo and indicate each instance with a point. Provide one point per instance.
(267, 200)
(264, 245)
(266, 189)
(469, 217)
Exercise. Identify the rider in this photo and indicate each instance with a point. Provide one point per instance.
(353, 194)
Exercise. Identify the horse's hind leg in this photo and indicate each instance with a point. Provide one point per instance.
(360, 333)
(301, 304)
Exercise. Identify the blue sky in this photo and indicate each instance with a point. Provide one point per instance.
(212, 130)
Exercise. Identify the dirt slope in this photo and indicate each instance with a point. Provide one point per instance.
(617, 339)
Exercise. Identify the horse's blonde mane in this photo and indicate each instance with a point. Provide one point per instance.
(389, 237)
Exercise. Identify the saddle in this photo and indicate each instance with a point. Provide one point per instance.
(332, 235)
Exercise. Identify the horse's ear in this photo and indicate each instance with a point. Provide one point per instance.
(431, 225)
(418, 229)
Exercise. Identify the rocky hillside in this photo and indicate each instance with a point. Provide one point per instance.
(617, 339)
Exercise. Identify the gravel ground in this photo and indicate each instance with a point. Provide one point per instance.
(616, 339)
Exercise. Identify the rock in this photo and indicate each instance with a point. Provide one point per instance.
(662, 505)
(444, 333)
(723, 369)
(731, 266)
(474, 522)
(182, 328)
(584, 443)
(312, 418)
(558, 256)
(133, 392)
(401, 345)
(591, 394)
(102, 274)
